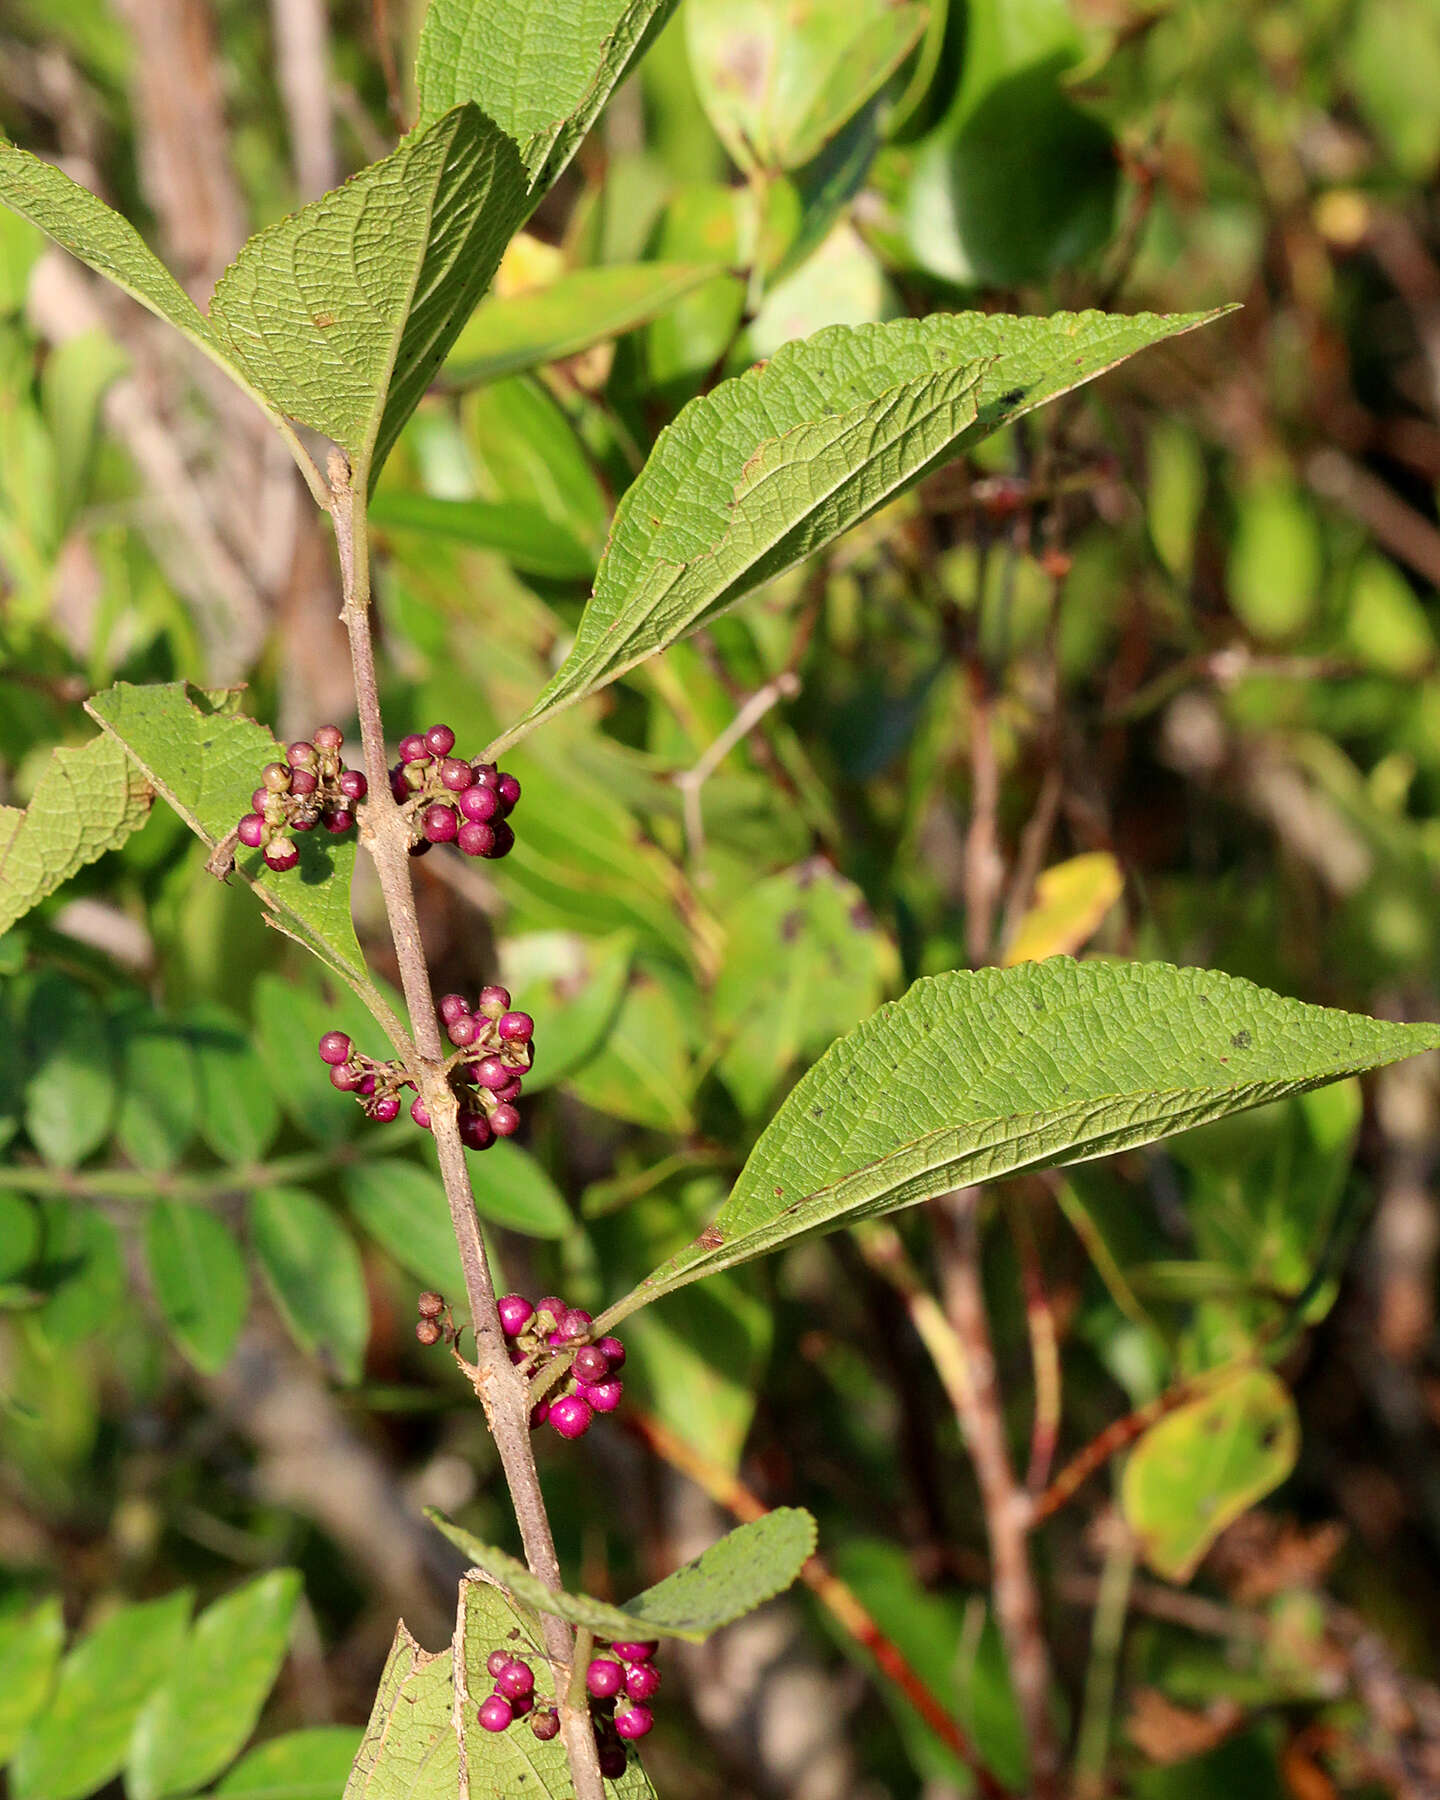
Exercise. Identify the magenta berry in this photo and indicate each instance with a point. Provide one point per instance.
(504, 1121)
(476, 840)
(573, 1323)
(636, 1652)
(477, 803)
(604, 1678)
(454, 774)
(493, 1002)
(339, 820)
(386, 1109)
(516, 1027)
(613, 1761)
(602, 1396)
(439, 740)
(490, 1072)
(366, 1085)
(504, 840)
(636, 1723)
(642, 1681)
(463, 1031)
(275, 777)
(496, 1713)
(453, 1007)
(328, 737)
(281, 855)
(614, 1350)
(303, 781)
(546, 1725)
(497, 1662)
(507, 791)
(352, 784)
(552, 1304)
(439, 823)
(413, 749)
(475, 1131)
(346, 1079)
(335, 1047)
(251, 831)
(516, 1682)
(420, 1113)
(516, 1312)
(509, 1093)
(539, 1413)
(571, 1416)
(591, 1364)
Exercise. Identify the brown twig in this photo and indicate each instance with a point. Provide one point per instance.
(1044, 1351)
(385, 832)
(1006, 1507)
(982, 848)
(838, 1598)
(302, 66)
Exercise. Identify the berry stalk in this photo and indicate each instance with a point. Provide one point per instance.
(385, 831)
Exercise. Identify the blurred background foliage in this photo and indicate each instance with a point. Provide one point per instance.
(1154, 675)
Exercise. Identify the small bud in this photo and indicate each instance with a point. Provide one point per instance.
(431, 1304)
(428, 1331)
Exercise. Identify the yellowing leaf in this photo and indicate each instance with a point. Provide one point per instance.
(1070, 901)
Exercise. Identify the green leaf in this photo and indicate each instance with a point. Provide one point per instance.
(804, 961)
(205, 758)
(766, 469)
(195, 1724)
(343, 313)
(514, 1764)
(297, 1765)
(91, 230)
(747, 1567)
(19, 1235)
(314, 1272)
(404, 1209)
(78, 1743)
(70, 1090)
(200, 1280)
(289, 1023)
(529, 539)
(642, 1072)
(73, 383)
(695, 1363)
(239, 1111)
(409, 1750)
(512, 1189)
(1196, 1470)
(159, 1092)
(778, 82)
(87, 801)
(82, 1266)
(561, 60)
(975, 1074)
(583, 308)
(570, 1027)
(29, 1650)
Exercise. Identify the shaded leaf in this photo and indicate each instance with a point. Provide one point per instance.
(297, 1765)
(696, 1364)
(1196, 1470)
(19, 1235)
(512, 1189)
(561, 61)
(239, 1111)
(779, 82)
(82, 1267)
(313, 1270)
(159, 1092)
(404, 1209)
(289, 1023)
(205, 758)
(529, 539)
(409, 1750)
(770, 467)
(342, 313)
(87, 801)
(194, 1724)
(585, 307)
(747, 1567)
(570, 1027)
(200, 1280)
(78, 1743)
(73, 383)
(975, 1074)
(642, 1072)
(29, 1650)
(70, 1091)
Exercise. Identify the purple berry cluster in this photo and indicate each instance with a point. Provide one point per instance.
(589, 1385)
(311, 787)
(620, 1684)
(451, 801)
(494, 1046)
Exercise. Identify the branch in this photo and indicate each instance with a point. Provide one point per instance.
(385, 832)
(1006, 1508)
